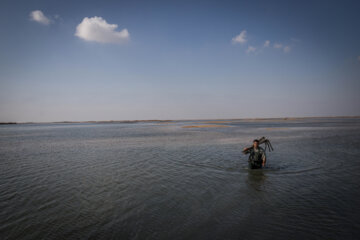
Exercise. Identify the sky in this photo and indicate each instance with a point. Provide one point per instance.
(127, 60)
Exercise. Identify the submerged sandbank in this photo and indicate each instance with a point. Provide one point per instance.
(205, 126)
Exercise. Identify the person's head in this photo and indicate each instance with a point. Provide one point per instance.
(256, 143)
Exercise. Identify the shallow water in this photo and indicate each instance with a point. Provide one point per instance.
(162, 181)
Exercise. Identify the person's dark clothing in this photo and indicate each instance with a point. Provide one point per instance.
(256, 157)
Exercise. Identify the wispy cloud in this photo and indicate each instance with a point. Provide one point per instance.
(277, 45)
(241, 38)
(96, 29)
(38, 16)
(250, 49)
(287, 49)
(267, 43)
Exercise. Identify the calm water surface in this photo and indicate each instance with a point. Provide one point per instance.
(162, 181)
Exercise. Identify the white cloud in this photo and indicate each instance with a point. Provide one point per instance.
(278, 45)
(287, 49)
(98, 30)
(241, 38)
(38, 16)
(250, 49)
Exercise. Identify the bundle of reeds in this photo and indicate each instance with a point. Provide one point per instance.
(262, 140)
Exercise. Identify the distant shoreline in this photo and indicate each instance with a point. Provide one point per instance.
(179, 120)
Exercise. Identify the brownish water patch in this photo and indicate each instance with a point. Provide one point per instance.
(205, 126)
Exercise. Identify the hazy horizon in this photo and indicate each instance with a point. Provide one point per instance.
(189, 119)
(126, 60)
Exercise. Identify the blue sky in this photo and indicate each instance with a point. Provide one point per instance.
(66, 60)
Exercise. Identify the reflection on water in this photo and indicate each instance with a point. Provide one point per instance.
(162, 181)
(256, 179)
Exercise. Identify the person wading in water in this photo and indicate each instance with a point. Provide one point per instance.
(257, 158)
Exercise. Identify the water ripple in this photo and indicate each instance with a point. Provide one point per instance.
(150, 181)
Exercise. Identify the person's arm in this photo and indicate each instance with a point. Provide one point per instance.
(246, 150)
(263, 159)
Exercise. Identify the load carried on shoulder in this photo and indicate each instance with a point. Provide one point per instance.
(261, 141)
(257, 157)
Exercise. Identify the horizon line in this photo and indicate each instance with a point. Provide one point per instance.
(175, 120)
